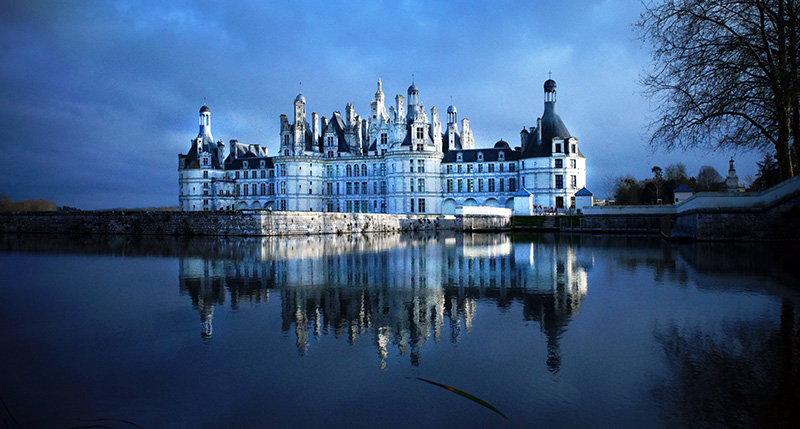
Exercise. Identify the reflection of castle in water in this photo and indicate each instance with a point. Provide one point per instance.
(402, 290)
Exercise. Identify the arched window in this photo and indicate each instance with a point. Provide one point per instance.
(363, 169)
(355, 170)
(349, 171)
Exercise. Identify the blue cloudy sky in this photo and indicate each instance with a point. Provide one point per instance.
(99, 97)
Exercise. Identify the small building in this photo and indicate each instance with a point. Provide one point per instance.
(732, 181)
(583, 198)
(523, 203)
(682, 193)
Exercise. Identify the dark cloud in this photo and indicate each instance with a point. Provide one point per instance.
(99, 97)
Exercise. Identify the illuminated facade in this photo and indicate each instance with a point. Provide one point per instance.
(400, 159)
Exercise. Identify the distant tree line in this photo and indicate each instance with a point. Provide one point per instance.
(6, 205)
(660, 188)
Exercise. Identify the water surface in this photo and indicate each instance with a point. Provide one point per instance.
(553, 330)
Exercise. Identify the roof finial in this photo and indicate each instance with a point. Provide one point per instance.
(301, 87)
(412, 78)
(204, 101)
(549, 75)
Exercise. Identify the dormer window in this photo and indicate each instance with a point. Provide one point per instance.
(459, 157)
(420, 133)
(573, 148)
(262, 164)
(480, 156)
(502, 156)
(245, 165)
(205, 161)
(558, 148)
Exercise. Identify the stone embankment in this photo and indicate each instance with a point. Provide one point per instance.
(771, 215)
(259, 223)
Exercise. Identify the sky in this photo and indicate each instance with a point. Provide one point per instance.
(98, 98)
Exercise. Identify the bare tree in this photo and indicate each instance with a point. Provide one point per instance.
(676, 173)
(707, 178)
(658, 183)
(725, 75)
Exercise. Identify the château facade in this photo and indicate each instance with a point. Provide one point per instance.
(399, 159)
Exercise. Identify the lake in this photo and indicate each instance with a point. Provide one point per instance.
(343, 331)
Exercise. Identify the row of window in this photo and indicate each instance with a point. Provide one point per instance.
(470, 168)
(490, 185)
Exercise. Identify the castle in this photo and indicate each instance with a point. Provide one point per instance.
(400, 159)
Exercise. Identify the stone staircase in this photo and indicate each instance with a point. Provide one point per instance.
(549, 222)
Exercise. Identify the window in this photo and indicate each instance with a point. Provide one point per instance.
(383, 169)
(480, 168)
(310, 188)
(283, 169)
(459, 158)
(500, 186)
(573, 181)
(421, 205)
(356, 188)
(348, 188)
(384, 138)
(349, 171)
(245, 165)
(501, 166)
(449, 185)
(511, 166)
(480, 156)
(383, 187)
(411, 165)
(559, 181)
(421, 185)
(286, 140)
(491, 168)
(271, 173)
(470, 185)
(480, 185)
(459, 168)
(421, 165)
(420, 133)
(283, 187)
(355, 170)
(255, 189)
(364, 187)
(512, 184)
(246, 189)
(559, 163)
(449, 169)
(263, 189)
(573, 163)
(262, 164)
(272, 189)
(490, 185)
(330, 189)
(460, 185)
(558, 148)
(330, 154)
(205, 175)
(502, 156)
(363, 169)
(283, 204)
(411, 184)
(263, 174)
(244, 175)
(573, 149)
(412, 206)
(470, 168)
(205, 161)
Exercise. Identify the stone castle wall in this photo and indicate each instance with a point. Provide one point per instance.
(260, 223)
